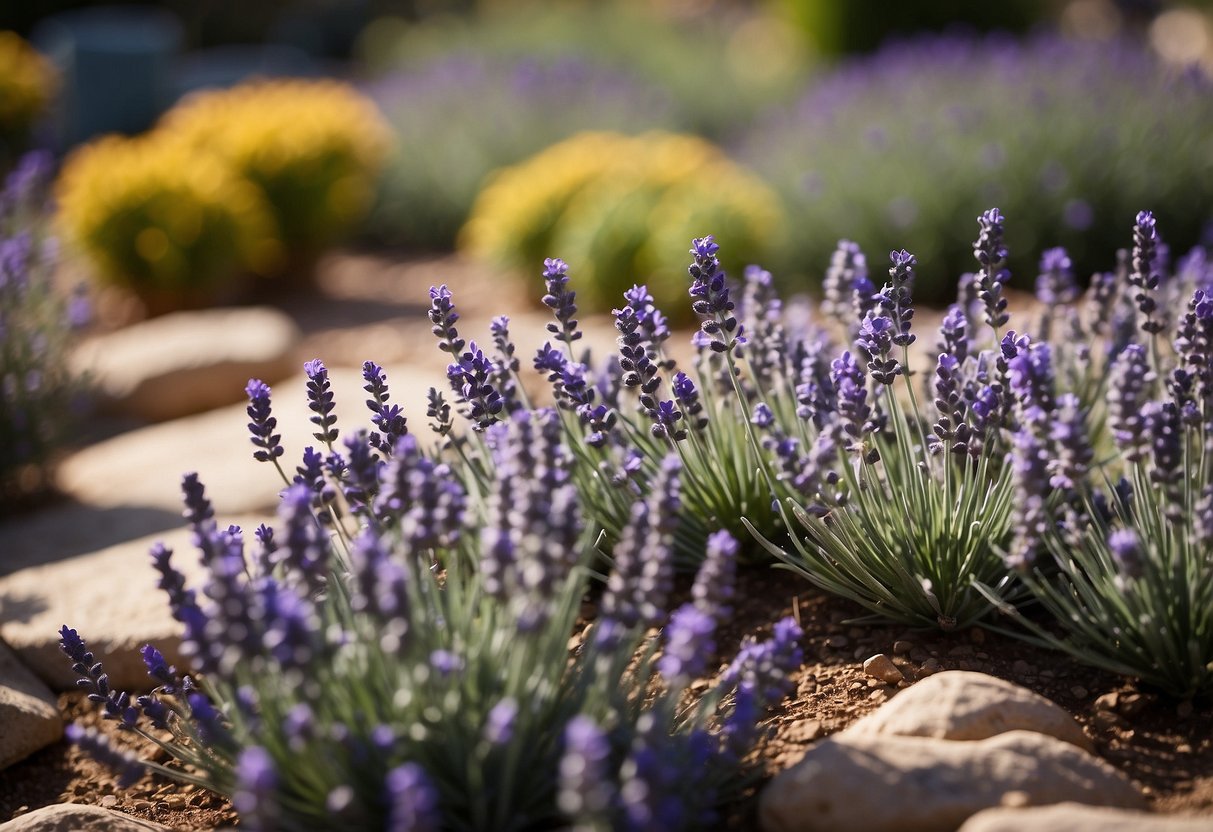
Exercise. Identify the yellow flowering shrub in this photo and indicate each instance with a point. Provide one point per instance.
(313, 148)
(160, 218)
(27, 82)
(620, 209)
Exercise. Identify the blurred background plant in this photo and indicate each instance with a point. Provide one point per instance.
(27, 85)
(1067, 137)
(623, 207)
(171, 224)
(38, 394)
(311, 147)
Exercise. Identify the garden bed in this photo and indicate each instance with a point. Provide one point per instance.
(1163, 744)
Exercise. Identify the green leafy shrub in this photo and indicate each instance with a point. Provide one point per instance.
(898, 150)
(619, 204)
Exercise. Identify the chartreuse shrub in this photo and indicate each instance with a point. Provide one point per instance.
(36, 387)
(312, 148)
(457, 119)
(27, 83)
(396, 653)
(900, 149)
(162, 219)
(618, 205)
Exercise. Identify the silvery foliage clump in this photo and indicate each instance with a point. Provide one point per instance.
(623, 416)
(1117, 539)
(405, 649)
(36, 385)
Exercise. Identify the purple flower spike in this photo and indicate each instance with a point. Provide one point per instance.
(714, 587)
(586, 787)
(1055, 284)
(1030, 469)
(443, 316)
(711, 297)
(561, 300)
(389, 419)
(1071, 444)
(875, 340)
(320, 401)
(845, 279)
(1128, 384)
(97, 746)
(471, 379)
(261, 423)
(93, 679)
(1142, 274)
(1126, 552)
(499, 727)
(256, 785)
(412, 800)
(991, 256)
(689, 641)
(894, 298)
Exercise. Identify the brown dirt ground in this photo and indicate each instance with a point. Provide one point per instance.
(1164, 745)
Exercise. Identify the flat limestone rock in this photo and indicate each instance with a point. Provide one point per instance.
(188, 362)
(29, 714)
(889, 783)
(1075, 817)
(144, 467)
(110, 598)
(76, 817)
(963, 705)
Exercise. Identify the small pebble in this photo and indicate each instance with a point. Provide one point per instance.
(902, 647)
(1108, 701)
(1022, 668)
(837, 641)
(880, 695)
(175, 801)
(961, 650)
(881, 667)
(1079, 692)
(930, 666)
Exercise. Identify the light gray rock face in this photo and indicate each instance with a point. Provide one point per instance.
(110, 598)
(188, 362)
(962, 705)
(29, 714)
(144, 467)
(888, 783)
(76, 817)
(1075, 817)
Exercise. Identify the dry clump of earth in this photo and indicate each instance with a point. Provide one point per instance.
(1165, 745)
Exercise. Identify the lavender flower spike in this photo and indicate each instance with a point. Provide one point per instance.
(101, 749)
(585, 786)
(689, 641)
(256, 783)
(443, 316)
(261, 423)
(320, 401)
(711, 297)
(560, 299)
(1142, 276)
(412, 800)
(991, 256)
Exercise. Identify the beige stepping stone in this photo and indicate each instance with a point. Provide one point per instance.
(110, 598)
(144, 467)
(29, 714)
(1075, 817)
(889, 783)
(963, 705)
(76, 817)
(188, 362)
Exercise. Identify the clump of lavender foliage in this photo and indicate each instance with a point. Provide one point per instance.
(902, 148)
(395, 652)
(37, 389)
(1119, 545)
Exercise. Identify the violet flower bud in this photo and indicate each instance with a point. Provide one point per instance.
(1129, 381)
(320, 401)
(560, 299)
(991, 255)
(711, 297)
(261, 423)
(443, 316)
(1142, 275)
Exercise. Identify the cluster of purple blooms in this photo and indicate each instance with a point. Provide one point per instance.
(36, 387)
(349, 633)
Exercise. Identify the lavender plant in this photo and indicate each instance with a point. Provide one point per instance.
(396, 653)
(37, 388)
(1118, 546)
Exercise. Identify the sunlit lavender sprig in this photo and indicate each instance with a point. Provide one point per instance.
(1142, 274)
(854, 411)
(991, 255)
(443, 316)
(471, 378)
(844, 284)
(1055, 286)
(1129, 383)
(1030, 464)
(711, 297)
(388, 418)
(951, 431)
(895, 298)
(94, 681)
(561, 300)
(262, 424)
(875, 340)
(320, 401)
(762, 316)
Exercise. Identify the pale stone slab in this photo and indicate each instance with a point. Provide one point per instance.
(963, 705)
(110, 598)
(1075, 817)
(144, 467)
(889, 783)
(29, 714)
(76, 817)
(188, 362)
